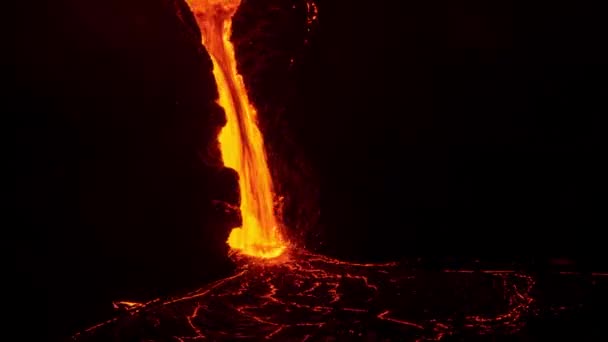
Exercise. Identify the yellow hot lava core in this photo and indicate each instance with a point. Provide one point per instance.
(241, 141)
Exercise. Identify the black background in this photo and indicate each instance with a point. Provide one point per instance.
(466, 129)
(433, 129)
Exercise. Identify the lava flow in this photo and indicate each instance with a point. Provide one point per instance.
(241, 141)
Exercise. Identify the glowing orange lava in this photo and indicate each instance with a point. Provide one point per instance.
(241, 141)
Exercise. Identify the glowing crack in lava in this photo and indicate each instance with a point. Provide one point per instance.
(309, 297)
(241, 141)
(303, 296)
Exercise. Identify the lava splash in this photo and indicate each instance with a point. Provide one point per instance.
(241, 141)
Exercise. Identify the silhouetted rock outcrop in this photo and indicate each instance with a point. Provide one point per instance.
(117, 163)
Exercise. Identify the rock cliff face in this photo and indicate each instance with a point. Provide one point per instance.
(120, 188)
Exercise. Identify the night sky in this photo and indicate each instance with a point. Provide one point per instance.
(468, 129)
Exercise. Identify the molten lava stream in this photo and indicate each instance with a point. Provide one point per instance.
(241, 141)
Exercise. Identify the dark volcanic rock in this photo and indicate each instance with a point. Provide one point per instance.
(117, 162)
(308, 297)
